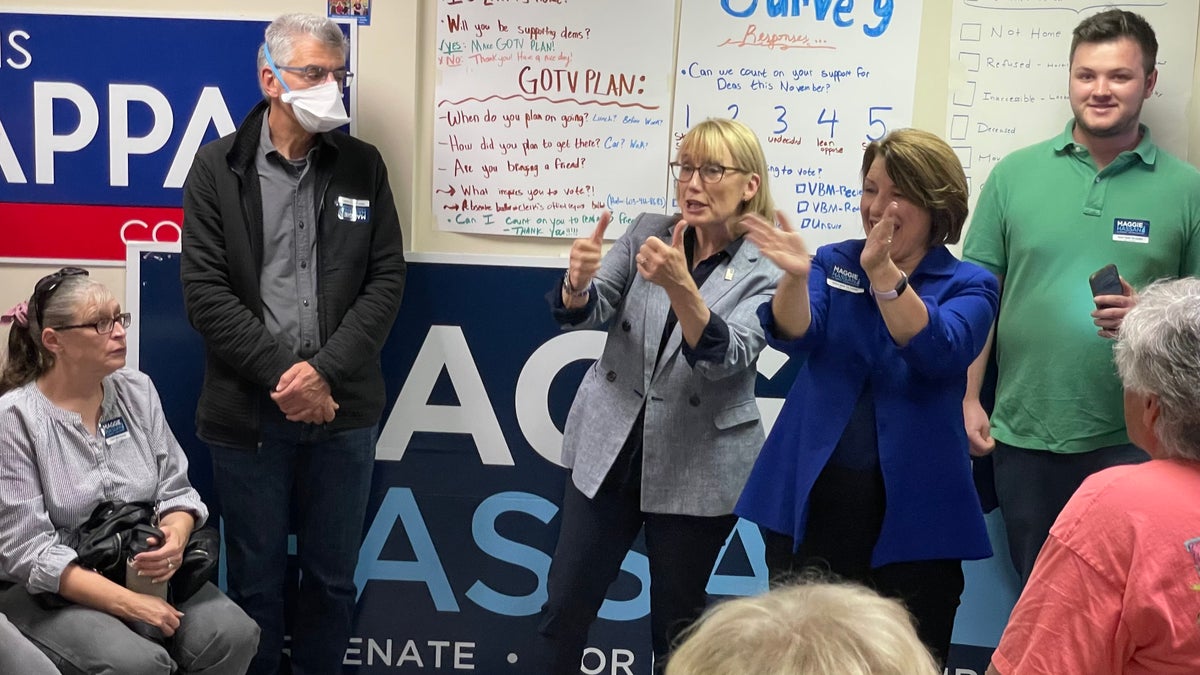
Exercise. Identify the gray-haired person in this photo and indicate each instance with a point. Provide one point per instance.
(1116, 589)
(78, 428)
(292, 271)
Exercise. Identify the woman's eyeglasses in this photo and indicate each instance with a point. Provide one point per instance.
(709, 173)
(103, 326)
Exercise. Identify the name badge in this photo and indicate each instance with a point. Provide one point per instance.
(845, 280)
(353, 210)
(1128, 229)
(114, 430)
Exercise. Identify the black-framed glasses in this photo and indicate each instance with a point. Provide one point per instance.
(45, 287)
(709, 173)
(317, 74)
(103, 326)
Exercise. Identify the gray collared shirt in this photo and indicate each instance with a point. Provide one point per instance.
(54, 472)
(288, 281)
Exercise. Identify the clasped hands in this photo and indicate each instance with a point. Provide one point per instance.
(304, 396)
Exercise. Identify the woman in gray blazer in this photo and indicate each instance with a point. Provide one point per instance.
(664, 427)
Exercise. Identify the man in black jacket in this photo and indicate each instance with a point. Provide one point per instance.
(292, 271)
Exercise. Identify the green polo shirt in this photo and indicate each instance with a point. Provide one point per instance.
(1046, 220)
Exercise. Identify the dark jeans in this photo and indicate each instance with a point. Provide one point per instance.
(845, 518)
(1033, 486)
(595, 536)
(324, 479)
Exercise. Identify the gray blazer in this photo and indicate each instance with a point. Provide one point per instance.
(702, 430)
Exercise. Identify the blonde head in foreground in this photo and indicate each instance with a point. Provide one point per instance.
(809, 629)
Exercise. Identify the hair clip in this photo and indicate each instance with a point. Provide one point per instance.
(19, 314)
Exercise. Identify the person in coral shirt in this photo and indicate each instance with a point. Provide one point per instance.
(1116, 588)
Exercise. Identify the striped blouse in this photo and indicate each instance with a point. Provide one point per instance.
(54, 472)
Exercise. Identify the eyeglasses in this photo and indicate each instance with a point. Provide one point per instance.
(104, 326)
(317, 74)
(45, 287)
(709, 173)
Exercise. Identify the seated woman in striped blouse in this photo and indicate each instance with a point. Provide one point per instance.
(76, 429)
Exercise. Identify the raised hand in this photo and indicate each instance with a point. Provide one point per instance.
(878, 250)
(782, 245)
(585, 256)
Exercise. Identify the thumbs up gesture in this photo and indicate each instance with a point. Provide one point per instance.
(663, 264)
(584, 260)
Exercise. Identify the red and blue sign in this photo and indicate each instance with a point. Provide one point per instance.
(100, 119)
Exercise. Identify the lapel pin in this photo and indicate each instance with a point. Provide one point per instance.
(729, 274)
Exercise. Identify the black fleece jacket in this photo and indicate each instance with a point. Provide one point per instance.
(360, 282)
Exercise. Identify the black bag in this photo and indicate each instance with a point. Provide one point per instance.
(105, 541)
(199, 564)
(105, 537)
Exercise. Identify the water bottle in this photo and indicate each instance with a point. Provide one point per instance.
(143, 584)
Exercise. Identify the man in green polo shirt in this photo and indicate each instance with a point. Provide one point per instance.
(1049, 216)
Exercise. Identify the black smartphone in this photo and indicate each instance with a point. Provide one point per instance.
(1106, 281)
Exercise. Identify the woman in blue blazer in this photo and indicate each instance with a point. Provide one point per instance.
(664, 427)
(866, 473)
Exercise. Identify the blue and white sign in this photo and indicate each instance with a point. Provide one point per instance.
(462, 518)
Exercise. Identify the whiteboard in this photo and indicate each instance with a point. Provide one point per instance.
(1010, 70)
(816, 83)
(548, 113)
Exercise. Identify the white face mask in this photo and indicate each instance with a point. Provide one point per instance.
(318, 109)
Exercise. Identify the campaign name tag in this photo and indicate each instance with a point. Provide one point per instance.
(114, 430)
(845, 280)
(353, 210)
(1128, 229)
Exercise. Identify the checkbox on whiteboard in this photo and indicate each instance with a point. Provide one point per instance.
(970, 60)
(801, 188)
(958, 127)
(965, 95)
(964, 155)
(970, 32)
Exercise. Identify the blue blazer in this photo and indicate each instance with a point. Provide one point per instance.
(702, 429)
(932, 508)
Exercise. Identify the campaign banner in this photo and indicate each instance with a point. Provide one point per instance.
(463, 513)
(100, 119)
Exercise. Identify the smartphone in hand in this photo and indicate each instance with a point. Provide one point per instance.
(1106, 281)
